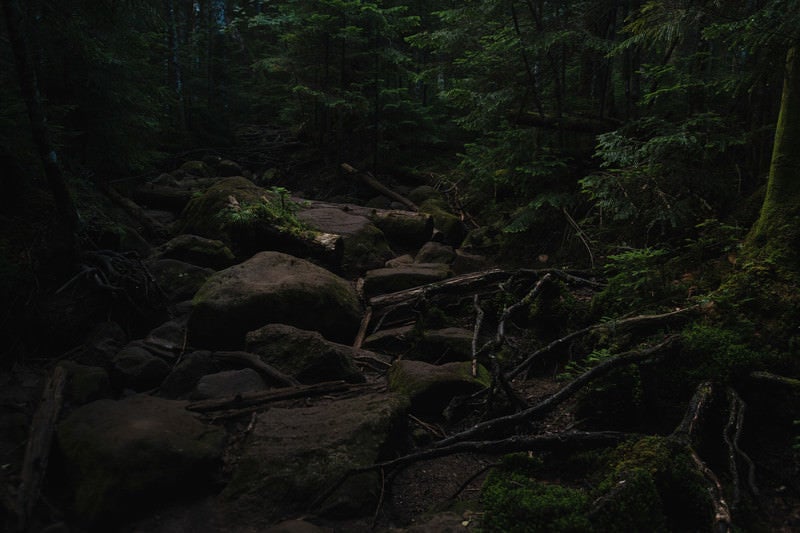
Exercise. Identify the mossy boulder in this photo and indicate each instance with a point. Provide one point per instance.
(210, 253)
(443, 345)
(306, 355)
(430, 388)
(423, 193)
(130, 455)
(202, 215)
(272, 288)
(446, 222)
(227, 168)
(293, 455)
(197, 168)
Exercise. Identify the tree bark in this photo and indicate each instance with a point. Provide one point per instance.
(29, 87)
(775, 232)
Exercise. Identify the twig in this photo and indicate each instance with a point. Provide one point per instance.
(254, 362)
(476, 331)
(362, 331)
(581, 235)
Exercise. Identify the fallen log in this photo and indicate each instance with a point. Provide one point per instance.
(371, 181)
(37, 450)
(253, 361)
(260, 398)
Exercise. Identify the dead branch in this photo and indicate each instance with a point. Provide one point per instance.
(775, 379)
(546, 406)
(37, 450)
(569, 440)
(260, 398)
(362, 330)
(371, 181)
(613, 325)
(253, 361)
(476, 331)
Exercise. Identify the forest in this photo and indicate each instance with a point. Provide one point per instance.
(384, 265)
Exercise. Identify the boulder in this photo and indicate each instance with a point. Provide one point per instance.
(271, 288)
(444, 345)
(197, 168)
(102, 343)
(450, 225)
(386, 280)
(394, 341)
(179, 280)
(228, 383)
(128, 455)
(423, 193)
(403, 260)
(364, 245)
(168, 337)
(466, 262)
(169, 193)
(202, 214)
(136, 368)
(430, 388)
(435, 252)
(227, 168)
(210, 253)
(306, 355)
(182, 380)
(293, 455)
(85, 383)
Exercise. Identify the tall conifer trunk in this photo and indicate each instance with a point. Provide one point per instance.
(776, 233)
(29, 87)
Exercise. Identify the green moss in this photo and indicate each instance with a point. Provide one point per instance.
(651, 484)
(443, 220)
(514, 502)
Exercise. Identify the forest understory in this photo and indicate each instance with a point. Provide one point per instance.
(373, 265)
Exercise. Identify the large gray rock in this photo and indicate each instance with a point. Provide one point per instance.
(293, 455)
(270, 288)
(228, 383)
(430, 388)
(306, 355)
(128, 455)
(134, 367)
(364, 245)
(386, 280)
(435, 252)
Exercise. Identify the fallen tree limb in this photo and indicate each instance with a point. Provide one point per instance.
(260, 398)
(37, 450)
(253, 361)
(615, 325)
(575, 440)
(371, 181)
(546, 406)
(775, 379)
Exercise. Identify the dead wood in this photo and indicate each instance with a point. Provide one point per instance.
(568, 440)
(152, 227)
(685, 435)
(253, 361)
(371, 181)
(37, 450)
(775, 379)
(260, 398)
(612, 325)
(362, 330)
(505, 422)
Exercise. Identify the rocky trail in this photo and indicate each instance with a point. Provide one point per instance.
(316, 366)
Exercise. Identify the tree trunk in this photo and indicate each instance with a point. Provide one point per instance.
(29, 87)
(775, 234)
